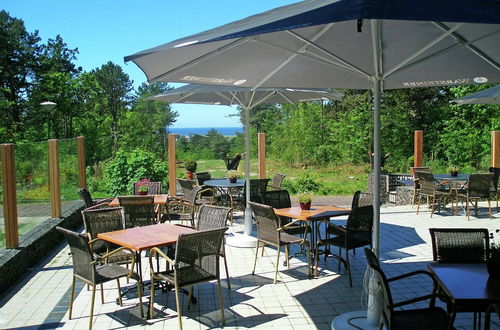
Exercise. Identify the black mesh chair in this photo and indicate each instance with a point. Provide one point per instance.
(479, 186)
(89, 202)
(154, 188)
(139, 210)
(460, 245)
(436, 192)
(277, 181)
(431, 317)
(494, 189)
(214, 217)
(269, 232)
(356, 233)
(196, 261)
(86, 268)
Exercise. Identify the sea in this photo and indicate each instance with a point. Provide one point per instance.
(226, 131)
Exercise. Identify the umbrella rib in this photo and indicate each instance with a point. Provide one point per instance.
(235, 97)
(343, 63)
(403, 63)
(285, 97)
(195, 61)
(222, 95)
(265, 97)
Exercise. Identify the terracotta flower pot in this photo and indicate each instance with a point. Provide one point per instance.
(305, 206)
(189, 175)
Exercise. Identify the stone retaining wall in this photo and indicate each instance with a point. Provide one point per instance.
(36, 244)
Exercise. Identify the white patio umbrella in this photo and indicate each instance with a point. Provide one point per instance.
(247, 98)
(358, 44)
(487, 96)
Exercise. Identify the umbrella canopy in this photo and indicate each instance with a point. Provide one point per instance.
(487, 96)
(360, 44)
(247, 98)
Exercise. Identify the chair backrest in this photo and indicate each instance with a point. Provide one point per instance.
(102, 220)
(378, 275)
(426, 182)
(257, 187)
(202, 177)
(361, 199)
(139, 210)
(212, 217)
(81, 254)
(496, 175)
(154, 188)
(360, 223)
(87, 198)
(232, 163)
(462, 245)
(277, 180)
(200, 249)
(480, 184)
(278, 199)
(187, 189)
(267, 223)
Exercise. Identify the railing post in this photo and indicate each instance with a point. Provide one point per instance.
(9, 196)
(495, 149)
(262, 155)
(82, 174)
(418, 142)
(172, 163)
(54, 184)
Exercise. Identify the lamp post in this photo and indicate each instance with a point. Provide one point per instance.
(50, 106)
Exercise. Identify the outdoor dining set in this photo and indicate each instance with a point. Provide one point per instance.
(188, 233)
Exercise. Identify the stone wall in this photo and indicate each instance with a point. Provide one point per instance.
(35, 245)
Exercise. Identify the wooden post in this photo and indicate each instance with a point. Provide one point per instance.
(82, 174)
(9, 196)
(262, 155)
(54, 183)
(495, 149)
(172, 177)
(418, 143)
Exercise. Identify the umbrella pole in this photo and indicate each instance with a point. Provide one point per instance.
(248, 212)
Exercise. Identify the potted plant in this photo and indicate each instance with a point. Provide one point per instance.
(142, 187)
(190, 168)
(453, 170)
(493, 262)
(304, 198)
(232, 175)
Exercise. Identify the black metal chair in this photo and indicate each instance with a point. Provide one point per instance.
(89, 202)
(139, 210)
(196, 261)
(479, 186)
(431, 317)
(277, 181)
(154, 188)
(493, 308)
(213, 217)
(88, 269)
(494, 191)
(269, 232)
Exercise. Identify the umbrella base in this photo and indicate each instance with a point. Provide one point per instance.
(352, 320)
(242, 241)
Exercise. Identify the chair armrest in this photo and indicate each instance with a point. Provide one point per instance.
(156, 251)
(92, 241)
(417, 272)
(284, 227)
(432, 297)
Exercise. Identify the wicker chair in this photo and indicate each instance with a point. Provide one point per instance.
(257, 187)
(431, 317)
(269, 232)
(139, 210)
(195, 194)
(196, 261)
(154, 188)
(277, 180)
(103, 220)
(356, 233)
(213, 217)
(89, 202)
(479, 186)
(86, 269)
(432, 190)
(460, 245)
(494, 191)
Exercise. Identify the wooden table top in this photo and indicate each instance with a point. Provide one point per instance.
(316, 212)
(144, 238)
(467, 284)
(158, 199)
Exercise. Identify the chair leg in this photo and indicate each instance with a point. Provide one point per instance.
(227, 271)
(340, 257)
(152, 297)
(348, 266)
(263, 246)
(309, 261)
(190, 294)
(316, 259)
(119, 292)
(489, 207)
(139, 293)
(468, 208)
(92, 307)
(278, 250)
(102, 294)
(255, 261)
(178, 304)
(287, 247)
(418, 205)
(72, 297)
(221, 302)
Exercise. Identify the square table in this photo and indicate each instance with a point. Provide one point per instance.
(468, 286)
(317, 212)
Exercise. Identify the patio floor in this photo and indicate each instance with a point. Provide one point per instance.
(40, 299)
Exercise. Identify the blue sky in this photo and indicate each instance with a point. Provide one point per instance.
(108, 30)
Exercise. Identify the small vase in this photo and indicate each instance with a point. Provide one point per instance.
(305, 206)
(232, 180)
(493, 266)
(454, 174)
